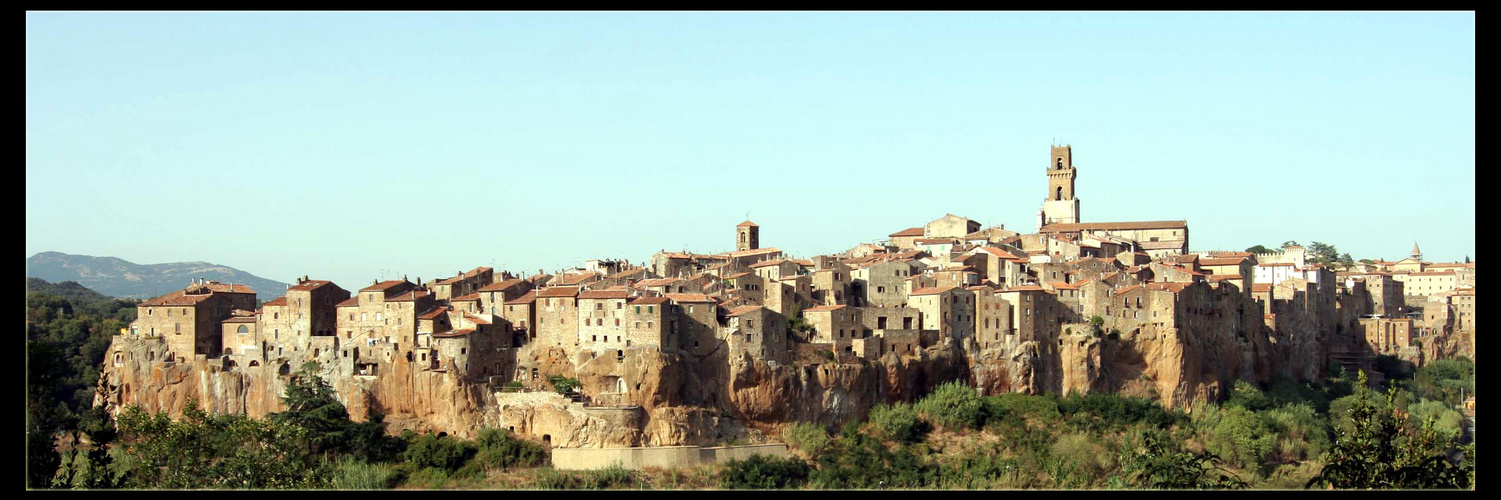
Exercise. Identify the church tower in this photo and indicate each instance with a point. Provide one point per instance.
(747, 236)
(1060, 206)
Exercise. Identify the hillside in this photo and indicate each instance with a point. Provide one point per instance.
(121, 278)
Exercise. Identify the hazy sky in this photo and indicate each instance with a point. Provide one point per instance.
(347, 145)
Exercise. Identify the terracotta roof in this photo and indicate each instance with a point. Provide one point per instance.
(803, 262)
(309, 285)
(352, 302)
(476, 319)
(604, 294)
(657, 282)
(525, 298)
(1063, 286)
(742, 310)
(933, 241)
(1220, 277)
(998, 252)
(911, 231)
(1261, 287)
(433, 313)
(240, 319)
(1159, 245)
(501, 285)
(931, 290)
(559, 291)
(230, 288)
(279, 301)
(467, 298)
(1187, 270)
(1025, 288)
(1222, 261)
(1174, 287)
(766, 263)
(409, 296)
(574, 279)
(1107, 226)
(1434, 273)
(453, 333)
(758, 251)
(827, 308)
(746, 224)
(648, 300)
(690, 297)
(383, 285)
(737, 275)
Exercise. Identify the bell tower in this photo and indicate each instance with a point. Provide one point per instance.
(1060, 206)
(747, 236)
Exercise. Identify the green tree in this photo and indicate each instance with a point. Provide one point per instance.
(1259, 249)
(313, 405)
(1154, 460)
(953, 405)
(900, 422)
(225, 451)
(1290, 243)
(1380, 450)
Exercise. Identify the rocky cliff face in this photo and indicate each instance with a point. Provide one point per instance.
(653, 398)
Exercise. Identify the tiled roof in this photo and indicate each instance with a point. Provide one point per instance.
(1222, 261)
(690, 297)
(657, 282)
(738, 275)
(240, 319)
(758, 251)
(453, 333)
(476, 319)
(604, 294)
(230, 288)
(1108, 226)
(559, 291)
(383, 285)
(1025, 288)
(309, 285)
(746, 224)
(352, 302)
(1126, 289)
(1174, 287)
(574, 279)
(933, 241)
(409, 296)
(1220, 277)
(1261, 287)
(433, 313)
(279, 301)
(1159, 245)
(766, 263)
(1063, 286)
(501, 285)
(826, 308)
(648, 300)
(473, 297)
(997, 252)
(525, 298)
(931, 290)
(911, 231)
(742, 310)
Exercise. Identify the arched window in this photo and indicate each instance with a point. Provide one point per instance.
(1060, 163)
(242, 329)
(1060, 193)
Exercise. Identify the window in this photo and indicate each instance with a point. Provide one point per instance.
(598, 306)
(649, 309)
(638, 309)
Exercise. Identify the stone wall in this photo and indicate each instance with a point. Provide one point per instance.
(660, 456)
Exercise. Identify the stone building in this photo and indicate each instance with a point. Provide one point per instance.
(756, 331)
(1060, 206)
(949, 310)
(906, 239)
(648, 319)
(837, 325)
(950, 226)
(494, 296)
(775, 270)
(747, 236)
(602, 318)
(558, 316)
(463, 283)
(992, 318)
(190, 320)
(521, 314)
(694, 322)
(882, 284)
(1156, 238)
(831, 283)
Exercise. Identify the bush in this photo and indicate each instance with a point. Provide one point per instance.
(548, 478)
(899, 422)
(354, 474)
(445, 453)
(858, 460)
(1239, 436)
(498, 450)
(1247, 396)
(953, 405)
(564, 386)
(764, 472)
(614, 476)
(807, 437)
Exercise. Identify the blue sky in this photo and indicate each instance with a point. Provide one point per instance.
(347, 145)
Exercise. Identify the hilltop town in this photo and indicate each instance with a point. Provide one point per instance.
(700, 348)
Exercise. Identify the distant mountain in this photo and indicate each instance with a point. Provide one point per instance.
(120, 278)
(69, 290)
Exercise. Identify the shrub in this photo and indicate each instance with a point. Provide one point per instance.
(564, 386)
(899, 422)
(498, 450)
(614, 476)
(354, 474)
(954, 405)
(764, 472)
(548, 478)
(446, 453)
(807, 437)
(1241, 437)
